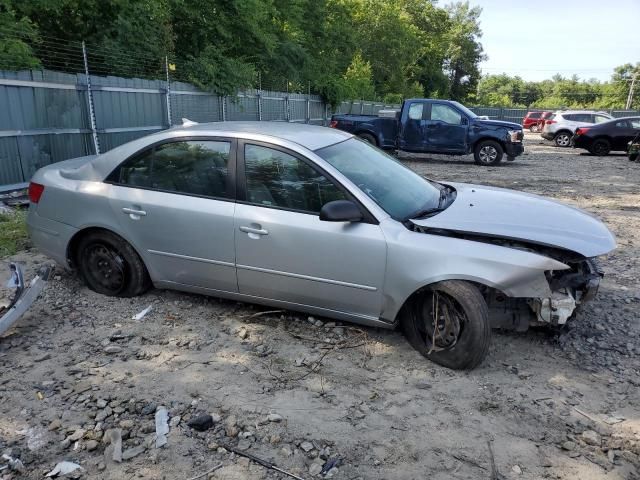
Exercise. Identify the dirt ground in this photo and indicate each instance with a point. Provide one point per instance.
(300, 391)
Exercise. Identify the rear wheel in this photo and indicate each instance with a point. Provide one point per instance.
(600, 147)
(534, 128)
(110, 266)
(633, 157)
(562, 139)
(367, 137)
(448, 322)
(488, 153)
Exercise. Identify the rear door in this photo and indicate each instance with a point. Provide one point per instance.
(446, 129)
(175, 203)
(413, 131)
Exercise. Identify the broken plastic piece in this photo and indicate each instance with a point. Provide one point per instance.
(63, 468)
(142, 314)
(24, 296)
(162, 426)
(15, 464)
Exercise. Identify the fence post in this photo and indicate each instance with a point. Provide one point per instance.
(259, 96)
(224, 108)
(361, 107)
(287, 112)
(326, 114)
(92, 117)
(309, 103)
(166, 67)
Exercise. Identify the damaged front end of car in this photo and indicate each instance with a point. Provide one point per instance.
(21, 295)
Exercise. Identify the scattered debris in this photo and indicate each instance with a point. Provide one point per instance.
(201, 422)
(162, 426)
(113, 452)
(262, 462)
(63, 468)
(142, 314)
(14, 464)
(204, 474)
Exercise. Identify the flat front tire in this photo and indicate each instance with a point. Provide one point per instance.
(109, 265)
(367, 137)
(488, 153)
(448, 323)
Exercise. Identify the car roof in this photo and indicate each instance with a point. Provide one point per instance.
(312, 137)
(560, 112)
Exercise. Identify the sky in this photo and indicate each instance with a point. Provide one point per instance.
(536, 39)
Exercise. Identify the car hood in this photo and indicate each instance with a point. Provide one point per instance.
(508, 214)
(497, 123)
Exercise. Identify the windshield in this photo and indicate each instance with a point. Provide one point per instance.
(398, 190)
(468, 112)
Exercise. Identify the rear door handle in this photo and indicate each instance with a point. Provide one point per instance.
(257, 231)
(134, 212)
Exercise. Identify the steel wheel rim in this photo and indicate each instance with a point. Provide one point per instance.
(563, 140)
(488, 154)
(105, 267)
(442, 322)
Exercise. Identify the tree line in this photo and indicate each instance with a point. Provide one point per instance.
(343, 49)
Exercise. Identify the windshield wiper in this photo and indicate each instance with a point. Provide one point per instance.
(443, 203)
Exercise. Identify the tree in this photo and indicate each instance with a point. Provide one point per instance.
(15, 52)
(358, 79)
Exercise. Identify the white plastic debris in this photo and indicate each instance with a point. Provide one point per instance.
(142, 314)
(162, 426)
(15, 464)
(63, 468)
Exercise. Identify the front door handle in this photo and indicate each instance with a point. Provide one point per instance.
(134, 213)
(256, 231)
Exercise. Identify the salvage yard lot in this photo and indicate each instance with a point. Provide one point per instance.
(562, 406)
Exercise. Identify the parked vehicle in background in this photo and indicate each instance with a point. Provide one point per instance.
(315, 220)
(614, 135)
(437, 126)
(633, 150)
(541, 122)
(561, 125)
(532, 120)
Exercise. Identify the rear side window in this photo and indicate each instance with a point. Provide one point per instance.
(601, 119)
(192, 167)
(622, 124)
(415, 111)
(635, 122)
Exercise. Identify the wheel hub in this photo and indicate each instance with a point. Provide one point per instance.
(488, 154)
(442, 321)
(106, 267)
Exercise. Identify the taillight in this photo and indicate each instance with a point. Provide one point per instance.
(549, 122)
(333, 123)
(581, 131)
(35, 192)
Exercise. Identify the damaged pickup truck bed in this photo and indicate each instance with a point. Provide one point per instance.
(315, 220)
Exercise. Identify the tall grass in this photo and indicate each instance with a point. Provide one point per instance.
(13, 232)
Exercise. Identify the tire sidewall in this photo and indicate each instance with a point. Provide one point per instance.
(136, 275)
(606, 147)
(486, 143)
(472, 346)
(557, 137)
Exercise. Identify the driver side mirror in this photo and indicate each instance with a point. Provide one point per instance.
(340, 211)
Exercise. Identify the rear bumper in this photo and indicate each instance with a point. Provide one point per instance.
(547, 135)
(50, 237)
(581, 142)
(514, 149)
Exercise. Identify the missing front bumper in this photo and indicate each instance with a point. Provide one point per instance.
(23, 296)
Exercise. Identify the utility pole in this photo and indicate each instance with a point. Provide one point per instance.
(630, 96)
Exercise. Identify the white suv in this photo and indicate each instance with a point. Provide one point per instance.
(561, 126)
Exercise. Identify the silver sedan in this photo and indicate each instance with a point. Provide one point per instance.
(312, 219)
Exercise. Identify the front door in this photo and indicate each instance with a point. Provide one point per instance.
(446, 129)
(174, 202)
(285, 252)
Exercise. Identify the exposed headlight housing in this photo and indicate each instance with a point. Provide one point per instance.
(515, 135)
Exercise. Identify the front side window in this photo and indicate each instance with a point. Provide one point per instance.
(635, 122)
(445, 114)
(191, 167)
(395, 188)
(277, 179)
(622, 124)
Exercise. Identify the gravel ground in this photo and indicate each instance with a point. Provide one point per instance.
(78, 371)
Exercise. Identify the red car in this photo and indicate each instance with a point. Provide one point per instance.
(534, 121)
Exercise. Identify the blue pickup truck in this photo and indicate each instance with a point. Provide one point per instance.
(436, 126)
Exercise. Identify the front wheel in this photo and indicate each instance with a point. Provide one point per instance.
(488, 153)
(367, 137)
(448, 322)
